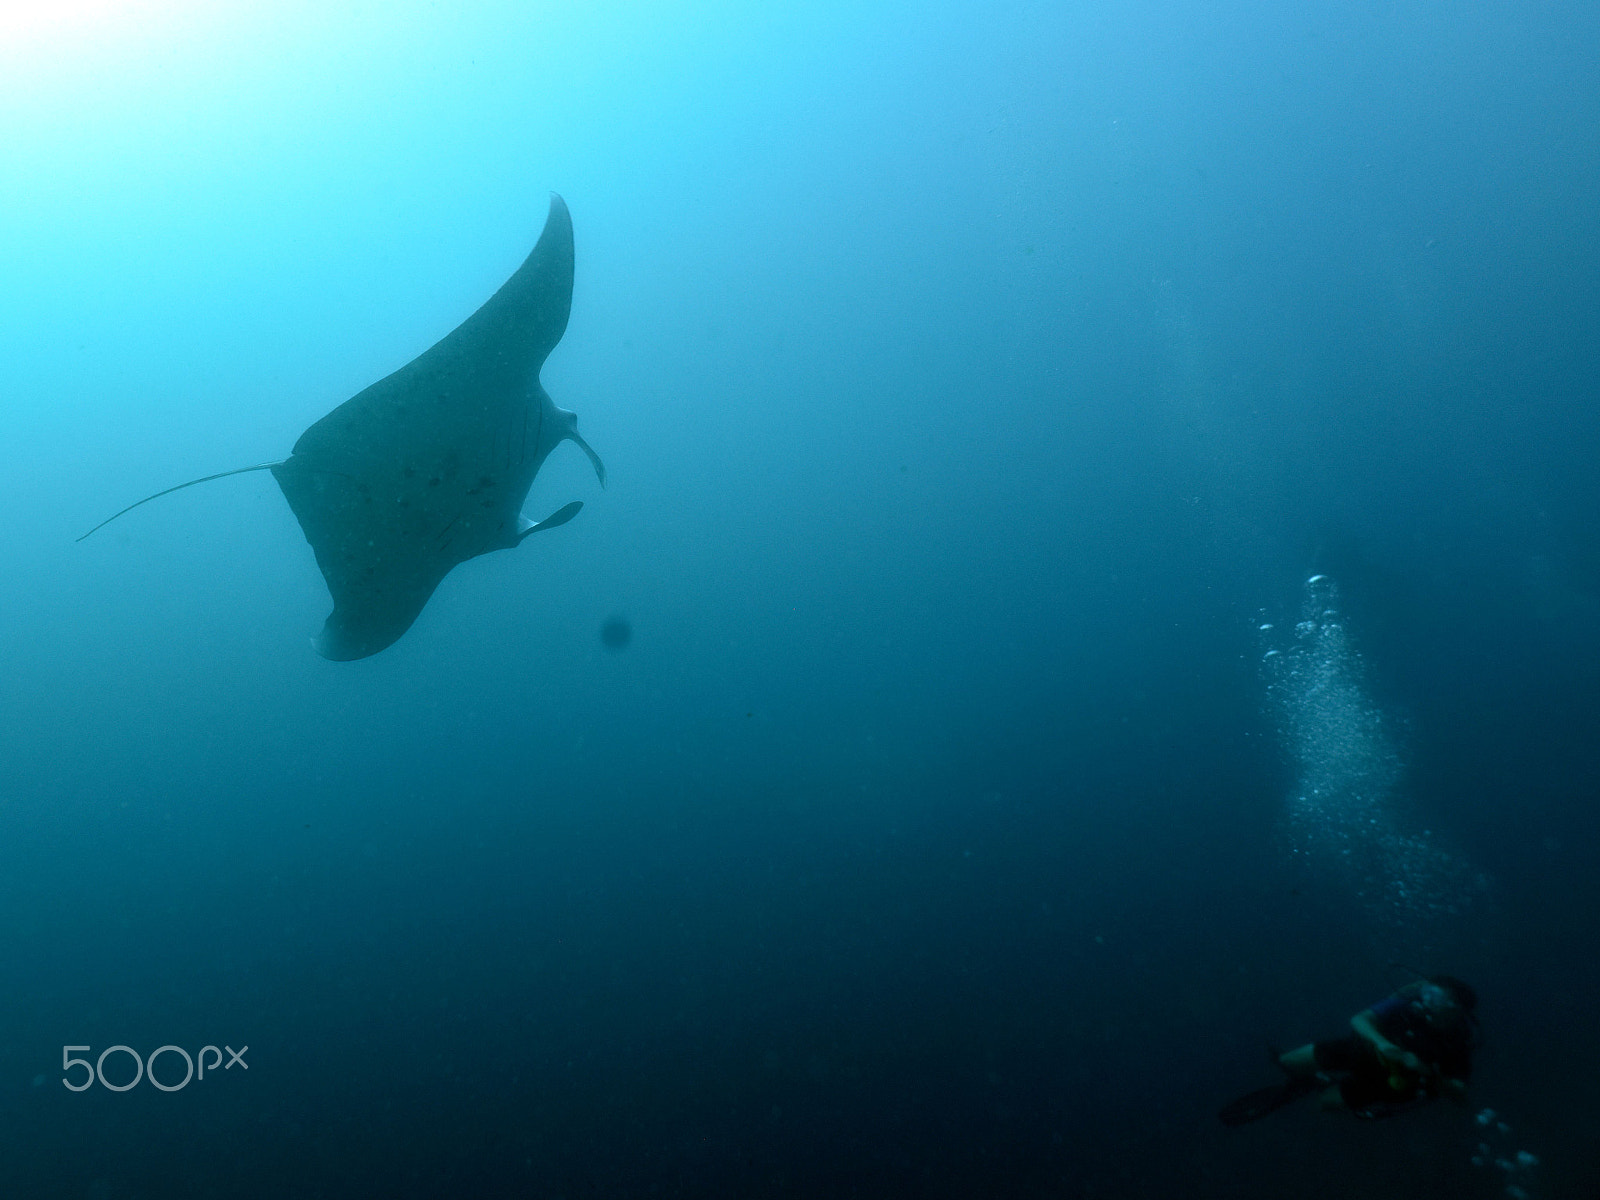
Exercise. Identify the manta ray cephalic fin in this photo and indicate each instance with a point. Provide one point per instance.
(560, 517)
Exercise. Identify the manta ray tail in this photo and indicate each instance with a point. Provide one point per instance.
(181, 486)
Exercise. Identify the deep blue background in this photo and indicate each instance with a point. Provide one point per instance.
(974, 379)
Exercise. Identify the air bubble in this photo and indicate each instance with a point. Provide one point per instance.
(1349, 771)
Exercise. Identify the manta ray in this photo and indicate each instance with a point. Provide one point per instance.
(430, 466)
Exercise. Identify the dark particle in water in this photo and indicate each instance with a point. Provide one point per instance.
(616, 633)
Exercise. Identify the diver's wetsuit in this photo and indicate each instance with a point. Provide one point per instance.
(1419, 1018)
(1442, 1039)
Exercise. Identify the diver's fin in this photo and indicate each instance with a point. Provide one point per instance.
(1267, 1100)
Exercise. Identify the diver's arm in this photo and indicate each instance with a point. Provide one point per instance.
(1368, 1032)
(1365, 1029)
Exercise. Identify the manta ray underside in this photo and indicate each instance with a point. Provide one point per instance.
(430, 466)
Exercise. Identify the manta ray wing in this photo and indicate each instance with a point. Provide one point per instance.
(430, 466)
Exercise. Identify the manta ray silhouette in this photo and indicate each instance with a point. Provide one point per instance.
(430, 466)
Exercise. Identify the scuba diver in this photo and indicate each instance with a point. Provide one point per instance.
(1408, 1048)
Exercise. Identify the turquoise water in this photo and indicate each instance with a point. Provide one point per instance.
(974, 383)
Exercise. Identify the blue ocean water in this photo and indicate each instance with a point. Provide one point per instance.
(1103, 498)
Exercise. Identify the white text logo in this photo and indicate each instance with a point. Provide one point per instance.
(146, 1067)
